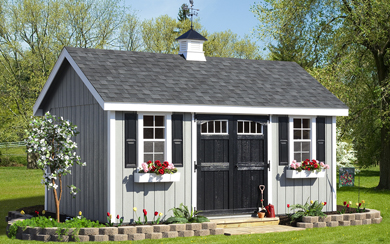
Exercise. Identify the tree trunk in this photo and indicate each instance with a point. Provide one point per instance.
(57, 202)
(384, 166)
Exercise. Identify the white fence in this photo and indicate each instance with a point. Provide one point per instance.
(12, 144)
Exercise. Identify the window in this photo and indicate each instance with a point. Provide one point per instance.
(301, 139)
(214, 127)
(154, 137)
(249, 127)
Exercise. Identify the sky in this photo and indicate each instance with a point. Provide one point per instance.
(214, 15)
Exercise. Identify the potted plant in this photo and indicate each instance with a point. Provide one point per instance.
(306, 169)
(156, 172)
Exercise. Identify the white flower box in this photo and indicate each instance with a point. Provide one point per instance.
(152, 177)
(295, 174)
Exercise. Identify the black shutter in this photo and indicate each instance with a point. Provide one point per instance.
(320, 138)
(177, 140)
(283, 140)
(130, 140)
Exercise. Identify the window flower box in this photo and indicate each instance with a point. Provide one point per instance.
(152, 178)
(295, 174)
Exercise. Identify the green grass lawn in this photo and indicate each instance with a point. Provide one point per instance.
(15, 154)
(21, 187)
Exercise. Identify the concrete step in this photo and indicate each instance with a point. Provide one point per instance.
(234, 222)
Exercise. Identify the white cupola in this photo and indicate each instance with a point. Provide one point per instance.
(191, 45)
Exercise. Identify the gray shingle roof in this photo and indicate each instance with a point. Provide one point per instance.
(139, 77)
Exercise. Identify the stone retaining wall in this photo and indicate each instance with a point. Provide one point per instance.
(366, 218)
(122, 233)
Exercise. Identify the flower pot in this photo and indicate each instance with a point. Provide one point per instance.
(295, 174)
(153, 178)
(261, 214)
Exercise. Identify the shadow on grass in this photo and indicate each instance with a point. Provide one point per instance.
(356, 189)
(15, 203)
(368, 173)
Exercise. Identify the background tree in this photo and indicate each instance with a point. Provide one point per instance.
(183, 12)
(346, 44)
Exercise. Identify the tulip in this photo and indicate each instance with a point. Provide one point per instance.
(80, 213)
(311, 201)
(350, 202)
(108, 214)
(360, 204)
(288, 205)
(135, 209)
(43, 212)
(324, 203)
(161, 214)
(345, 203)
(145, 212)
(357, 204)
(363, 201)
(117, 216)
(155, 213)
(22, 212)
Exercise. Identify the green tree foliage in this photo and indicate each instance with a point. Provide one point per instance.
(345, 45)
(183, 13)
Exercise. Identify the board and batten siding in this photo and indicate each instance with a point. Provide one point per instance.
(70, 98)
(160, 197)
(298, 191)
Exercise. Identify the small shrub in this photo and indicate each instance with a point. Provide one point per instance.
(183, 215)
(312, 209)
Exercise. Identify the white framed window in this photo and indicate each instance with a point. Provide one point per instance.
(214, 127)
(302, 138)
(155, 135)
(249, 127)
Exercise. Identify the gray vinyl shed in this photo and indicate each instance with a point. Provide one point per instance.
(228, 125)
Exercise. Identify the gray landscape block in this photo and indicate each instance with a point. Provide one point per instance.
(98, 238)
(325, 219)
(209, 225)
(348, 217)
(127, 230)
(170, 234)
(377, 220)
(217, 231)
(310, 219)
(319, 225)
(360, 216)
(40, 237)
(155, 235)
(194, 226)
(366, 221)
(332, 224)
(337, 217)
(145, 229)
(62, 238)
(35, 231)
(304, 225)
(344, 223)
(118, 237)
(89, 231)
(186, 233)
(79, 238)
(108, 231)
(177, 227)
(202, 232)
(356, 222)
(136, 236)
(370, 215)
(161, 228)
(49, 231)
(26, 236)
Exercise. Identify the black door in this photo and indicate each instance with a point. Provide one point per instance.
(232, 163)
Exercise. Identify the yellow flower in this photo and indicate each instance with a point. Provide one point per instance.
(22, 212)
(357, 204)
(350, 202)
(323, 203)
(161, 214)
(80, 213)
(43, 212)
(110, 216)
(311, 201)
(135, 209)
(363, 201)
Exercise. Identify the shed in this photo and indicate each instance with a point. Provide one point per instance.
(228, 125)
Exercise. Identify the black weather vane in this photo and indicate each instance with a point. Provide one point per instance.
(193, 12)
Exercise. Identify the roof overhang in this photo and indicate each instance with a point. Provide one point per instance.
(64, 55)
(221, 109)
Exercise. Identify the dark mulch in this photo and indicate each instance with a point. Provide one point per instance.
(39, 208)
(285, 219)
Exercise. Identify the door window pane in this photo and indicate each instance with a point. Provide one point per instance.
(214, 127)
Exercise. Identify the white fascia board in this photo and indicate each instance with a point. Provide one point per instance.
(220, 109)
(65, 55)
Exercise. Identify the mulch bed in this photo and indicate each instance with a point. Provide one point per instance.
(285, 219)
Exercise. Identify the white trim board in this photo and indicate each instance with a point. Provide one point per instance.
(111, 162)
(64, 55)
(219, 109)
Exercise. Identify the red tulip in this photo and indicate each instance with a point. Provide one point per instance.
(155, 213)
(117, 216)
(288, 205)
(108, 214)
(324, 203)
(345, 203)
(145, 212)
(360, 204)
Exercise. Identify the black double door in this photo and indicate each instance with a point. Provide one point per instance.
(231, 164)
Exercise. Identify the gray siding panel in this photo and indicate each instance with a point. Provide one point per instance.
(294, 191)
(160, 197)
(70, 99)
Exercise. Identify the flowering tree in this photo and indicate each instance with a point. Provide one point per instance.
(50, 138)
